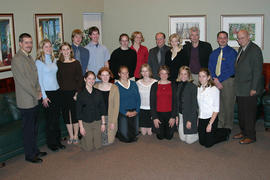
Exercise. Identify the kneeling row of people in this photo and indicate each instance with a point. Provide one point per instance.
(149, 104)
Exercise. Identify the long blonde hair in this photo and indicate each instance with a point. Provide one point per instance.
(41, 53)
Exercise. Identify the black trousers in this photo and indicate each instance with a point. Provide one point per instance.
(247, 109)
(52, 114)
(127, 128)
(30, 131)
(215, 136)
(68, 104)
(164, 131)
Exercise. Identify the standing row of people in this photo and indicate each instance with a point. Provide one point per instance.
(168, 102)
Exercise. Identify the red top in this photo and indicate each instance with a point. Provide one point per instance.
(142, 58)
(164, 98)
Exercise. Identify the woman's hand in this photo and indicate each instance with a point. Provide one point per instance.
(171, 122)
(75, 97)
(209, 128)
(82, 131)
(46, 102)
(188, 125)
(176, 120)
(156, 123)
(103, 127)
(111, 126)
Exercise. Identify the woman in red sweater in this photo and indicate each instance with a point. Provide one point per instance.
(142, 51)
(163, 105)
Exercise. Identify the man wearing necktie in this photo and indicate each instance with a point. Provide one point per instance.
(221, 66)
(80, 53)
(156, 56)
(248, 84)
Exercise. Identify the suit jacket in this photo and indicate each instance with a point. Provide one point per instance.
(153, 60)
(248, 71)
(84, 55)
(205, 49)
(189, 106)
(26, 80)
(153, 101)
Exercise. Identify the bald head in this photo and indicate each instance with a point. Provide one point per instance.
(243, 37)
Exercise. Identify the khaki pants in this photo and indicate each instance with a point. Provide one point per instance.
(227, 101)
(92, 139)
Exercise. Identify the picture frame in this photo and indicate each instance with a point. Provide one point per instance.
(181, 25)
(50, 26)
(253, 23)
(7, 41)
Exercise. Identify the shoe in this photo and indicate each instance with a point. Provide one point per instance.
(61, 146)
(246, 141)
(35, 160)
(41, 154)
(70, 141)
(75, 141)
(238, 136)
(267, 129)
(53, 148)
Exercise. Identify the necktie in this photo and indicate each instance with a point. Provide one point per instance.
(239, 56)
(159, 56)
(77, 54)
(218, 67)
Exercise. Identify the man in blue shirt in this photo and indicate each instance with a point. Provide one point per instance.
(80, 53)
(221, 66)
(99, 54)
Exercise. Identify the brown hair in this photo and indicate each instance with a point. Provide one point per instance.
(40, 52)
(88, 73)
(148, 68)
(92, 29)
(61, 56)
(165, 68)
(186, 68)
(122, 35)
(76, 32)
(210, 82)
(122, 67)
(134, 34)
(104, 69)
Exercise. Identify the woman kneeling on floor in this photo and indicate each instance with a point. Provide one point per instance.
(90, 110)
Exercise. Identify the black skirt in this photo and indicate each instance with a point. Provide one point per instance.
(145, 119)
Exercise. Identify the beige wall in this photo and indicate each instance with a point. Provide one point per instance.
(151, 16)
(72, 10)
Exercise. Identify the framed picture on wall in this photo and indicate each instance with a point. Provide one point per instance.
(7, 41)
(50, 26)
(254, 24)
(182, 24)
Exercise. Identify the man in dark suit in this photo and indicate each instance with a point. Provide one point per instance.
(248, 74)
(196, 53)
(156, 56)
(27, 95)
(80, 53)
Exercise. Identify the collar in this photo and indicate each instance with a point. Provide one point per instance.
(75, 46)
(92, 44)
(245, 47)
(27, 54)
(123, 85)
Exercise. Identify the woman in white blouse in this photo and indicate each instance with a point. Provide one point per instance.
(144, 86)
(208, 101)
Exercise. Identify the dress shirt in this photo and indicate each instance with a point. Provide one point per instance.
(227, 63)
(99, 54)
(208, 101)
(47, 75)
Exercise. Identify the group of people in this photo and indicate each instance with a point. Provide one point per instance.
(191, 89)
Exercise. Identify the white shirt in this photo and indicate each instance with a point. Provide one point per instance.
(144, 91)
(208, 101)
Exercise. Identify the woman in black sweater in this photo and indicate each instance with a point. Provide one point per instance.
(175, 58)
(123, 56)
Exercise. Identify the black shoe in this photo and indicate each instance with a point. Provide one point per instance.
(34, 160)
(41, 154)
(53, 148)
(61, 146)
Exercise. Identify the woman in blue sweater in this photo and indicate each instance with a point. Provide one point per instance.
(128, 123)
(47, 69)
